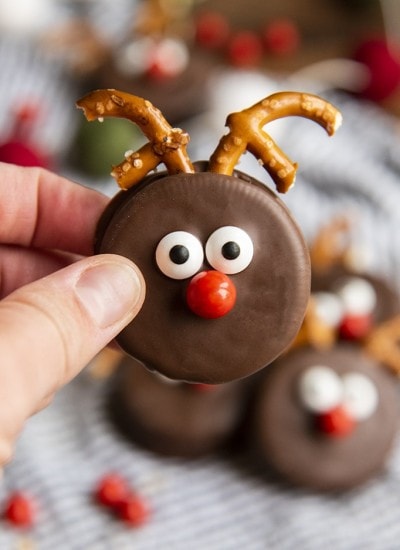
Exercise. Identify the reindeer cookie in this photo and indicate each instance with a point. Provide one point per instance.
(170, 417)
(326, 419)
(327, 412)
(226, 267)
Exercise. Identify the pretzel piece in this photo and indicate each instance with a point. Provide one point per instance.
(313, 331)
(246, 133)
(331, 246)
(384, 344)
(166, 144)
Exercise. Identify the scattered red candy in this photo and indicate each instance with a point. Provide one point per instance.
(282, 37)
(211, 294)
(212, 30)
(355, 327)
(335, 423)
(245, 49)
(134, 511)
(21, 510)
(111, 490)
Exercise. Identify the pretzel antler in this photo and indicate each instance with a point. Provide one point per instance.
(331, 246)
(166, 144)
(313, 331)
(246, 133)
(384, 344)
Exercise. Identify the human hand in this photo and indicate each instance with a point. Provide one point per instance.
(59, 306)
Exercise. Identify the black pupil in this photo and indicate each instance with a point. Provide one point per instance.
(230, 250)
(179, 254)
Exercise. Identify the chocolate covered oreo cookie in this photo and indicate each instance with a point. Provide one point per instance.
(226, 267)
(327, 419)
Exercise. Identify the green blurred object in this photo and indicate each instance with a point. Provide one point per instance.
(98, 146)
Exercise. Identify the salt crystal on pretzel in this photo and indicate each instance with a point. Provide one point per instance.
(166, 144)
(246, 133)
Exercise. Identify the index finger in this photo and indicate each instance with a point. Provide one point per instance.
(42, 210)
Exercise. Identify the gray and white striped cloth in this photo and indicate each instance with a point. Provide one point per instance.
(212, 503)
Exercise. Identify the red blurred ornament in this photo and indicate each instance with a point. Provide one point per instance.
(211, 294)
(245, 49)
(18, 149)
(281, 37)
(383, 62)
(212, 30)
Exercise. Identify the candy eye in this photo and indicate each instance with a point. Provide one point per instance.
(357, 295)
(229, 250)
(329, 308)
(360, 395)
(179, 255)
(320, 389)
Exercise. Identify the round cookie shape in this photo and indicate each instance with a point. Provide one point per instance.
(173, 418)
(238, 302)
(387, 300)
(287, 437)
(271, 292)
(183, 96)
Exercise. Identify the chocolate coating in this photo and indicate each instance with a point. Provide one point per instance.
(178, 98)
(387, 304)
(272, 292)
(173, 418)
(289, 442)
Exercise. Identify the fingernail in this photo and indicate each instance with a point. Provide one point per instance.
(109, 292)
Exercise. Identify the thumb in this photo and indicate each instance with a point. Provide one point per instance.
(51, 329)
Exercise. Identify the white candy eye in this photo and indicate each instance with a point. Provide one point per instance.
(360, 395)
(133, 58)
(320, 389)
(357, 295)
(328, 308)
(179, 255)
(229, 249)
(171, 55)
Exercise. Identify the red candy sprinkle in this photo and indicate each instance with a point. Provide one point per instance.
(335, 423)
(211, 294)
(355, 327)
(134, 511)
(112, 490)
(21, 510)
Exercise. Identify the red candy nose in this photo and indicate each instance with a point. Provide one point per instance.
(211, 294)
(355, 327)
(336, 422)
